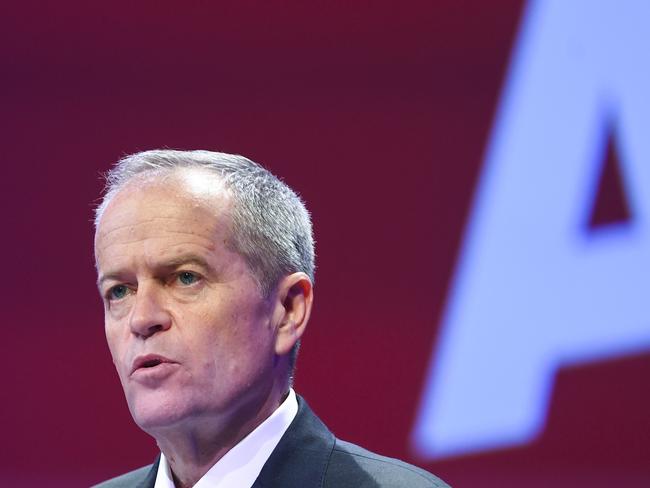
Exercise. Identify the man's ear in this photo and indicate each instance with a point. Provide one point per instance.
(292, 310)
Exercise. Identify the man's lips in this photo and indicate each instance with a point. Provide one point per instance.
(149, 361)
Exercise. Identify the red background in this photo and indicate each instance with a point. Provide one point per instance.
(378, 113)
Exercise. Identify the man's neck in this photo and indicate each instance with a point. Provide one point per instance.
(193, 447)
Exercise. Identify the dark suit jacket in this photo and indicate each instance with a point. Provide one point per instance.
(309, 456)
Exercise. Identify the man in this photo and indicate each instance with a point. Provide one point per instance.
(205, 265)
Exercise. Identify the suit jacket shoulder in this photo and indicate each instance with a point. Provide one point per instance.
(144, 477)
(354, 466)
(309, 455)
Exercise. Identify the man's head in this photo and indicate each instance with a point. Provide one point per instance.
(205, 264)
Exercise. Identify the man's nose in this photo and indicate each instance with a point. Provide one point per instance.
(149, 314)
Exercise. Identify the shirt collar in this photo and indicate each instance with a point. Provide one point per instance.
(240, 466)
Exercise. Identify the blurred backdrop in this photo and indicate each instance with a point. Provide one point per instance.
(479, 182)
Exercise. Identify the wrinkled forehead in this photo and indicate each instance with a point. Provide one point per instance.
(184, 198)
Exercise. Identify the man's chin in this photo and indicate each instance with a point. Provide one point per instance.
(151, 415)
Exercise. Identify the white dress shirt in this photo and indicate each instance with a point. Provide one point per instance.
(240, 467)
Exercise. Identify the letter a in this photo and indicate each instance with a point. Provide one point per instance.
(533, 289)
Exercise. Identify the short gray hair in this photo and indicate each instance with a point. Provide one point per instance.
(271, 227)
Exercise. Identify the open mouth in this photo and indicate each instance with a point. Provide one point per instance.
(151, 363)
(148, 362)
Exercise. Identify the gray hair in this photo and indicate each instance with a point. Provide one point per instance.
(271, 227)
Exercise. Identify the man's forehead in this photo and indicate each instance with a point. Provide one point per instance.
(182, 199)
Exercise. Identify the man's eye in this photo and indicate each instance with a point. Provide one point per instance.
(187, 278)
(118, 292)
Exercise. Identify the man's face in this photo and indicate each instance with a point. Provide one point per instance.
(189, 333)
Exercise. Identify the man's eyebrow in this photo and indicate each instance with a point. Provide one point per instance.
(106, 277)
(175, 262)
(183, 259)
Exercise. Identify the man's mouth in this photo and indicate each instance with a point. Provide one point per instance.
(149, 361)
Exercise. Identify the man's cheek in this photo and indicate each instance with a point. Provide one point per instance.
(116, 354)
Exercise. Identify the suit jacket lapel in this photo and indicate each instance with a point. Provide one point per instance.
(301, 457)
(150, 480)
